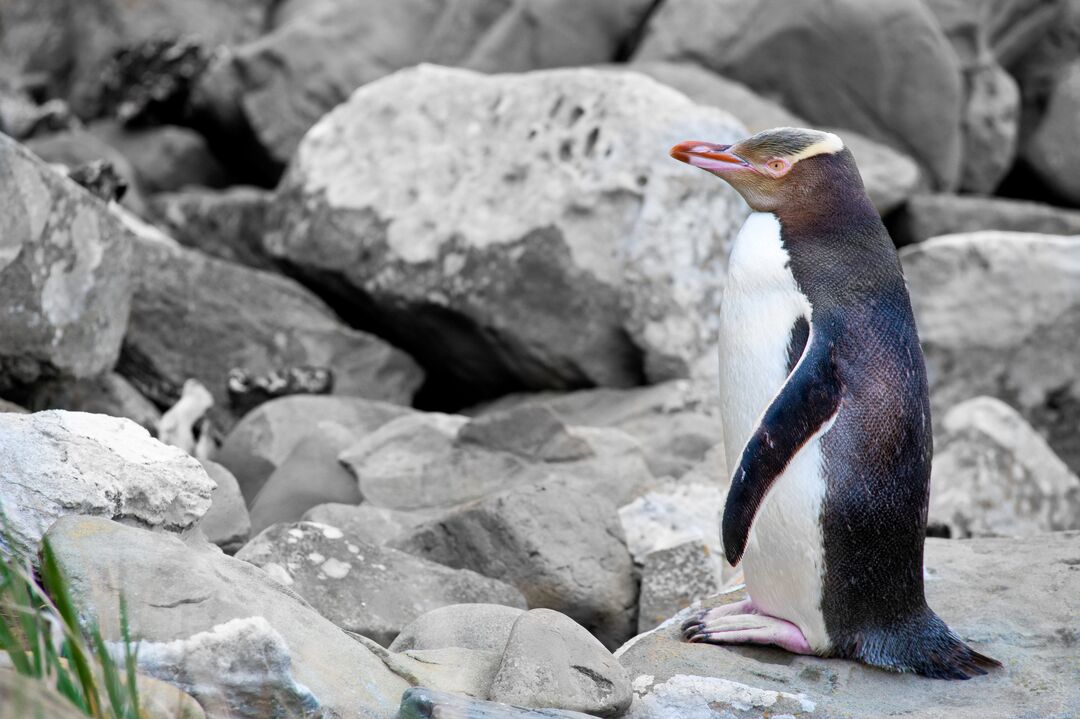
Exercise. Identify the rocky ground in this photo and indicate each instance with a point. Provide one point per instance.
(367, 348)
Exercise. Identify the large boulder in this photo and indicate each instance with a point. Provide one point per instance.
(371, 523)
(235, 639)
(483, 627)
(107, 393)
(54, 464)
(901, 79)
(982, 588)
(508, 249)
(268, 434)
(994, 475)
(198, 317)
(999, 315)
(563, 549)
(890, 176)
(65, 266)
(227, 523)
(926, 216)
(674, 422)
(362, 587)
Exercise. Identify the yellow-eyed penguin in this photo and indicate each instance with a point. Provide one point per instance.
(826, 418)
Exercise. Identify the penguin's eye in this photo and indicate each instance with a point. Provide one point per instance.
(777, 167)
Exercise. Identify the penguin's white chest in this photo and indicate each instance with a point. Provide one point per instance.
(784, 558)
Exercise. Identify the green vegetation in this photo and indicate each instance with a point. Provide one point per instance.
(40, 632)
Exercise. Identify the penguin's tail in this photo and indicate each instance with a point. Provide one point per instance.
(923, 645)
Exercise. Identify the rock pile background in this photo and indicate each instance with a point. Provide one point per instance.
(367, 348)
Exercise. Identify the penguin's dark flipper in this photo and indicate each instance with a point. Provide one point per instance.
(808, 400)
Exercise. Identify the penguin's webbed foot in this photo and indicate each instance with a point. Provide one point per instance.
(741, 623)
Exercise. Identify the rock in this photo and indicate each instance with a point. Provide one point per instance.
(108, 393)
(1003, 29)
(431, 460)
(999, 315)
(1040, 64)
(101, 179)
(902, 83)
(370, 590)
(238, 317)
(991, 124)
(927, 216)
(227, 224)
(11, 407)
(60, 463)
(534, 34)
(674, 514)
(462, 671)
(563, 549)
(267, 435)
(179, 423)
(247, 390)
(237, 639)
(22, 697)
(165, 158)
(148, 84)
(551, 661)
(377, 525)
(311, 475)
(1052, 150)
(226, 523)
(526, 281)
(420, 703)
(77, 148)
(65, 267)
(673, 422)
(890, 176)
(994, 475)
(320, 52)
(981, 587)
(483, 627)
(685, 696)
(675, 578)
(160, 700)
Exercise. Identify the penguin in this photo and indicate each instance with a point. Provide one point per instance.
(826, 418)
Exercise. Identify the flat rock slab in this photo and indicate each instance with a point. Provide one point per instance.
(58, 463)
(209, 615)
(926, 216)
(1017, 600)
(531, 232)
(420, 703)
(362, 587)
(65, 265)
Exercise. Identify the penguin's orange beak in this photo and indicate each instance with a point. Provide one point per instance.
(709, 156)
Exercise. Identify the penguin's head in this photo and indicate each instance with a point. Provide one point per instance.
(774, 168)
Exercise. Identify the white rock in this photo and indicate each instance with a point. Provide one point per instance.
(58, 463)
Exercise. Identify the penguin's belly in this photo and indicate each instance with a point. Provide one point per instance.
(784, 558)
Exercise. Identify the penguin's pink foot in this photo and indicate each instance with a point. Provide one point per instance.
(741, 623)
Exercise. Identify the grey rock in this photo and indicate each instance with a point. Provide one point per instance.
(981, 587)
(675, 578)
(54, 464)
(994, 475)
(678, 512)
(165, 158)
(1040, 64)
(108, 393)
(421, 703)
(65, 266)
(483, 627)
(6, 406)
(377, 525)
(228, 224)
(890, 176)
(311, 475)
(22, 696)
(991, 125)
(198, 604)
(1005, 29)
(77, 147)
(562, 548)
(226, 523)
(453, 669)
(693, 697)
(525, 281)
(999, 315)
(926, 216)
(551, 661)
(431, 460)
(1052, 149)
(672, 421)
(267, 435)
(902, 83)
(197, 317)
(370, 590)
